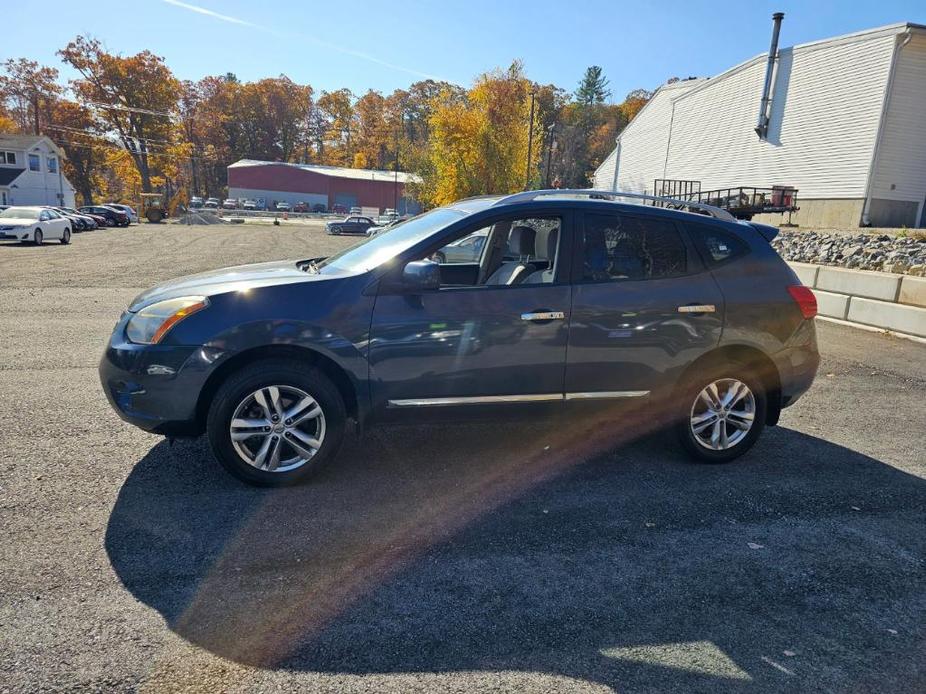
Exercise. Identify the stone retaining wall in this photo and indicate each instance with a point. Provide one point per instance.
(879, 299)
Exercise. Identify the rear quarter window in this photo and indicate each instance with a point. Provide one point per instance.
(716, 246)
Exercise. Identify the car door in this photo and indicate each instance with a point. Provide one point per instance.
(56, 224)
(51, 229)
(475, 340)
(643, 306)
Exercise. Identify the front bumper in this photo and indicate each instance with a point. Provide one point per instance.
(16, 234)
(156, 387)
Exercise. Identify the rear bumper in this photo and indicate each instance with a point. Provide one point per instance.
(798, 363)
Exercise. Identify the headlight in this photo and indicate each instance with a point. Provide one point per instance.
(151, 323)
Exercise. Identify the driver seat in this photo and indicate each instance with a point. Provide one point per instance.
(520, 243)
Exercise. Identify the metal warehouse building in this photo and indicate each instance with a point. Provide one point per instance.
(842, 120)
(319, 185)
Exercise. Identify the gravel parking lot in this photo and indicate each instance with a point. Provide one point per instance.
(534, 557)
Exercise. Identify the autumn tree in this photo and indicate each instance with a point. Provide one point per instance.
(374, 138)
(633, 102)
(336, 111)
(136, 97)
(479, 145)
(29, 91)
(80, 133)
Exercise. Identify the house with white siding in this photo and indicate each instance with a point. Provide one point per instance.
(30, 172)
(846, 127)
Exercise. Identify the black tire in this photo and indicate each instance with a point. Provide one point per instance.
(38, 238)
(265, 373)
(688, 398)
(66, 237)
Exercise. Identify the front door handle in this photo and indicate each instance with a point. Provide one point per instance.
(543, 315)
(697, 308)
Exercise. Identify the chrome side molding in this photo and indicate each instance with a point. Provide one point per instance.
(607, 395)
(511, 399)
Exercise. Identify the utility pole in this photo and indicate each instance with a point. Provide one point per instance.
(530, 144)
(395, 189)
(550, 145)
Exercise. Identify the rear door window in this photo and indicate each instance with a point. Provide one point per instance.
(619, 247)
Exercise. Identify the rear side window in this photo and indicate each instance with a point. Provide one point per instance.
(715, 245)
(618, 247)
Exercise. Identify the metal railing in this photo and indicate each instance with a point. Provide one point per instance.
(743, 202)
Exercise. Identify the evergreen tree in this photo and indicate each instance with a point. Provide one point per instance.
(593, 89)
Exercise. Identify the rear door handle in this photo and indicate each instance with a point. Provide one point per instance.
(697, 308)
(543, 315)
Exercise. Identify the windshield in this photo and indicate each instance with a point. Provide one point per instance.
(21, 213)
(376, 250)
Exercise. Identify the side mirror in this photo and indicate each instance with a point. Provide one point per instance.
(421, 275)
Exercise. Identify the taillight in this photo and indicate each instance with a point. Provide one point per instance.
(805, 300)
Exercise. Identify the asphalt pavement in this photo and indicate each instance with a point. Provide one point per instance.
(578, 554)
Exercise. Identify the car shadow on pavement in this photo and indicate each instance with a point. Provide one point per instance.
(476, 548)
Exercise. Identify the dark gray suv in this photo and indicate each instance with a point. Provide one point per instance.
(573, 300)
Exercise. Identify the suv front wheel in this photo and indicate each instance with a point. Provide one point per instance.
(724, 414)
(276, 422)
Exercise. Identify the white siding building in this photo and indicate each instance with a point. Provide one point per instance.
(30, 172)
(847, 128)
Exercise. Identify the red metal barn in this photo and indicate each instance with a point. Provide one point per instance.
(332, 187)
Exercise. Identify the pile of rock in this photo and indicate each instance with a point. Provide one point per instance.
(200, 217)
(901, 254)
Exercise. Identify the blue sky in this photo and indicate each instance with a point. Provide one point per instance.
(363, 44)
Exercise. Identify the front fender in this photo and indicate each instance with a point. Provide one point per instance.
(331, 319)
(343, 351)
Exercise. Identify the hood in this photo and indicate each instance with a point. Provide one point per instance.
(226, 280)
(17, 222)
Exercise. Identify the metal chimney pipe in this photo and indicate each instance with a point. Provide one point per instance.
(762, 126)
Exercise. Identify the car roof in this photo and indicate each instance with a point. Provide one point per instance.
(496, 203)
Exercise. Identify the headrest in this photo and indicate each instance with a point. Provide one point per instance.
(521, 240)
(552, 238)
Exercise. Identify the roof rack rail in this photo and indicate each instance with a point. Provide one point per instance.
(528, 195)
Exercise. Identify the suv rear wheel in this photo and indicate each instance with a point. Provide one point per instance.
(276, 422)
(724, 413)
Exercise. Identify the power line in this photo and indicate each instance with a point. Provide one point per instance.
(115, 145)
(117, 107)
(80, 131)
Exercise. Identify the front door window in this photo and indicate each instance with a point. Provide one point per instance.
(508, 252)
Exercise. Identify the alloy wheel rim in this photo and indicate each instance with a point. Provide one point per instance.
(722, 414)
(277, 428)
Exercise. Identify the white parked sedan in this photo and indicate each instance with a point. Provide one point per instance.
(36, 224)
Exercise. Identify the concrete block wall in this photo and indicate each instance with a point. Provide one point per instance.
(879, 299)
